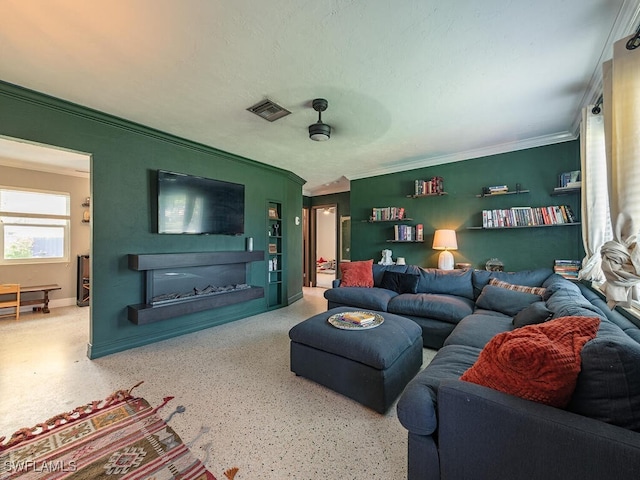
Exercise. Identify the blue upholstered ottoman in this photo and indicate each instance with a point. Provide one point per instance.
(371, 366)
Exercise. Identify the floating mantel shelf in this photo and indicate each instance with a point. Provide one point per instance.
(156, 261)
(232, 270)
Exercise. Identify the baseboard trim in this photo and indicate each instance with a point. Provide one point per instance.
(108, 348)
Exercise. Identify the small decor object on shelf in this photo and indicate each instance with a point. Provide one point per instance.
(273, 248)
(273, 212)
(386, 258)
(495, 190)
(445, 240)
(568, 180)
(419, 233)
(494, 265)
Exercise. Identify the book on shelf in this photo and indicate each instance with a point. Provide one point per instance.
(527, 216)
(432, 186)
(419, 232)
(381, 214)
(567, 268)
(404, 233)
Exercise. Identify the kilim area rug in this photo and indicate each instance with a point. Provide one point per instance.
(120, 437)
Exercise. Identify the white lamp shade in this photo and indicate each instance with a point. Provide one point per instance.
(445, 240)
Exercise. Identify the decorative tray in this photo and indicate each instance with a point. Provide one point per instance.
(339, 321)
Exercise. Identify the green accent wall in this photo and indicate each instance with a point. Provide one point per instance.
(536, 169)
(125, 157)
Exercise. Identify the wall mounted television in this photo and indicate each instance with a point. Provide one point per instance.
(188, 204)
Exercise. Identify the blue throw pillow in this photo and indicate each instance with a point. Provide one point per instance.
(400, 282)
(535, 313)
(502, 300)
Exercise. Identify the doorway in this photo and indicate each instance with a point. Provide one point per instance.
(325, 244)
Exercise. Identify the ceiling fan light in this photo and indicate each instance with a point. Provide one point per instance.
(319, 132)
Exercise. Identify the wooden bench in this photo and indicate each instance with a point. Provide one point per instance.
(45, 289)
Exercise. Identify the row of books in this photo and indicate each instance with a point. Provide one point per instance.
(429, 187)
(569, 180)
(387, 214)
(528, 216)
(567, 268)
(408, 233)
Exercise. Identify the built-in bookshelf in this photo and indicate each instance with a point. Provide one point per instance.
(275, 269)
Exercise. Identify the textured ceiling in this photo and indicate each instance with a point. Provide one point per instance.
(409, 83)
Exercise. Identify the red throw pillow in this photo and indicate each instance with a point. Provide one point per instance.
(357, 274)
(537, 362)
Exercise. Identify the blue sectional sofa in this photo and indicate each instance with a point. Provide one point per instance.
(438, 302)
(461, 430)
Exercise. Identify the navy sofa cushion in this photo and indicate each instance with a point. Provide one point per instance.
(566, 300)
(530, 278)
(451, 282)
(477, 329)
(417, 405)
(448, 308)
(361, 297)
(506, 301)
(400, 282)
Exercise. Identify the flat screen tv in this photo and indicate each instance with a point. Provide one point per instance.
(197, 205)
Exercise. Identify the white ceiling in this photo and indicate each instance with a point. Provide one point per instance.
(410, 83)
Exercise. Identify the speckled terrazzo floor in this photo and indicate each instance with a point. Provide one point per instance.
(244, 407)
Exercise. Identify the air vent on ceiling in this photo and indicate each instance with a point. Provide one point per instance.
(269, 110)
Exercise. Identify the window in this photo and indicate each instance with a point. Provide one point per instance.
(34, 226)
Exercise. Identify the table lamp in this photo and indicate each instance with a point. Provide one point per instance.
(445, 240)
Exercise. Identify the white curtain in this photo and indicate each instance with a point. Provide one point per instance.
(621, 255)
(596, 222)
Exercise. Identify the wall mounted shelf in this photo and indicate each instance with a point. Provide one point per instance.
(565, 191)
(405, 241)
(525, 226)
(515, 192)
(439, 194)
(388, 221)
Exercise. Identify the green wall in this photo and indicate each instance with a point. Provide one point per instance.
(536, 169)
(124, 158)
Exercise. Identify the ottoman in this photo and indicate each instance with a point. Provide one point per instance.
(371, 366)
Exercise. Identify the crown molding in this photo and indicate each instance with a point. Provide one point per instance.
(471, 154)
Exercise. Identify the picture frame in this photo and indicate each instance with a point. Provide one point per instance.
(273, 248)
(273, 212)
